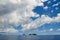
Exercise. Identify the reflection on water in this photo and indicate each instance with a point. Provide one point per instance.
(32, 37)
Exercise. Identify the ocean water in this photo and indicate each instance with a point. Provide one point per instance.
(32, 37)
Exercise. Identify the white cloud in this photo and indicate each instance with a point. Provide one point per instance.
(51, 29)
(44, 0)
(17, 12)
(43, 30)
(52, 11)
(54, 0)
(37, 23)
(49, 2)
(41, 21)
(56, 4)
(46, 7)
(15, 1)
(11, 30)
(21, 13)
(58, 30)
(57, 19)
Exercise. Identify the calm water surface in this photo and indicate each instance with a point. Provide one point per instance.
(32, 37)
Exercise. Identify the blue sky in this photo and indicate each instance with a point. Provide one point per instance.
(41, 10)
(55, 10)
(30, 16)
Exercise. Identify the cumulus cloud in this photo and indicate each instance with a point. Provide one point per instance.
(11, 30)
(37, 23)
(17, 12)
(57, 19)
(41, 21)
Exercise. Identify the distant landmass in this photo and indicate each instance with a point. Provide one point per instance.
(30, 34)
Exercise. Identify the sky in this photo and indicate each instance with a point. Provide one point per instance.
(30, 16)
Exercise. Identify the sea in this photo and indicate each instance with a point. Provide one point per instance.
(29, 37)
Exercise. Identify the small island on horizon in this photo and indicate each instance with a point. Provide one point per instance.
(29, 34)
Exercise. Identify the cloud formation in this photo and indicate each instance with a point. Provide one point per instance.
(37, 23)
(41, 21)
(18, 12)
